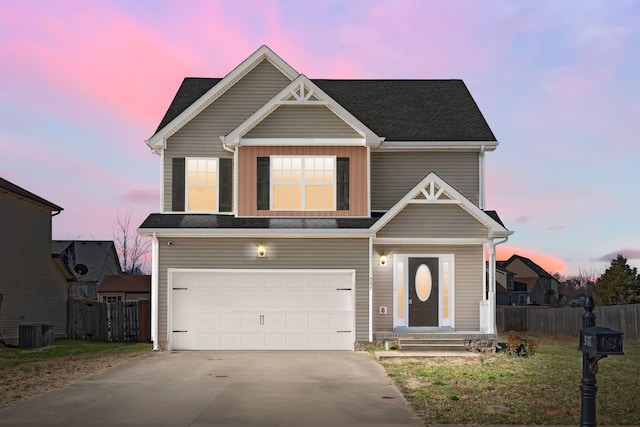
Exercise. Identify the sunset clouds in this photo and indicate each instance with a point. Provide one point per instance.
(83, 84)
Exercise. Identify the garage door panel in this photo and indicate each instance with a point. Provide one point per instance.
(279, 310)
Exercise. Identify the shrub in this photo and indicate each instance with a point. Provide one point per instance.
(519, 346)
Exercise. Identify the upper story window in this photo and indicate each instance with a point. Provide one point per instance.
(202, 184)
(303, 183)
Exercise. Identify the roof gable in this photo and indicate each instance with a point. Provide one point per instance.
(529, 264)
(301, 92)
(9, 187)
(408, 114)
(197, 86)
(434, 190)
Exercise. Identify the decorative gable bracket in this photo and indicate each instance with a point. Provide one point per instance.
(434, 190)
(302, 94)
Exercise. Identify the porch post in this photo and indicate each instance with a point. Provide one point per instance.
(154, 291)
(492, 288)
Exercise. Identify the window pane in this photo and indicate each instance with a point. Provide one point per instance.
(319, 197)
(400, 296)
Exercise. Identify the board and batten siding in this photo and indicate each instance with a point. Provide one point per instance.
(201, 136)
(468, 270)
(238, 253)
(247, 180)
(33, 289)
(435, 221)
(394, 174)
(303, 121)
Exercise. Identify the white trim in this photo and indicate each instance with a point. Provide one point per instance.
(186, 185)
(429, 241)
(404, 257)
(154, 290)
(235, 137)
(172, 271)
(437, 145)
(314, 142)
(494, 228)
(234, 210)
(162, 195)
(481, 177)
(347, 233)
(158, 141)
(368, 181)
(370, 287)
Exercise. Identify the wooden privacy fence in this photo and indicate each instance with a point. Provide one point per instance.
(113, 322)
(567, 321)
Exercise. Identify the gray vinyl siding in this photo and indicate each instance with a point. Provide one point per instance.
(468, 283)
(394, 174)
(201, 136)
(305, 121)
(232, 253)
(33, 290)
(434, 220)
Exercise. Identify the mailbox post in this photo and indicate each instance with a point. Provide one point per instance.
(595, 343)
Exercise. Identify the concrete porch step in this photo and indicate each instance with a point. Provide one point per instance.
(433, 344)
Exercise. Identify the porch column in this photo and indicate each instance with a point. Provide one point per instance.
(493, 327)
(154, 291)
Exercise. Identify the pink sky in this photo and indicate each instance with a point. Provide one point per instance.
(83, 84)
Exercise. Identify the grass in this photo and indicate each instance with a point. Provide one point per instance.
(501, 389)
(64, 348)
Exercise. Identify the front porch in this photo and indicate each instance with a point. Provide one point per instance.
(445, 340)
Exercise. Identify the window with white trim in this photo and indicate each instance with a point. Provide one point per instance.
(112, 298)
(201, 184)
(303, 183)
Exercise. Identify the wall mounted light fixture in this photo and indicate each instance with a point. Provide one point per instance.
(262, 250)
(383, 259)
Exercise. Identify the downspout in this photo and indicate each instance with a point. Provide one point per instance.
(370, 289)
(481, 176)
(493, 326)
(154, 291)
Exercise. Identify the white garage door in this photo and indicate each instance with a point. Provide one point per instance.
(262, 310)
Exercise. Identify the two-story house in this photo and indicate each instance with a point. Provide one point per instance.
(530, 284)
(320, 214)
(33, 283)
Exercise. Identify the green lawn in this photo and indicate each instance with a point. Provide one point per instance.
(501, 389)
(10, 358)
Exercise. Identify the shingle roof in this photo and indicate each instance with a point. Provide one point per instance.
(532, 265)
(399, 110)
(125, 283)
(189, 91)
(92, 253)
(6, 186)
(227, 221)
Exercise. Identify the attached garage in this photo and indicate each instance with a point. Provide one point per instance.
(261, 309)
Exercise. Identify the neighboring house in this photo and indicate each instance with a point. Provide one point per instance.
(32, 283)
(320, 214)
(508, 290)
(573, 297)
(91, 261)
(531, 283)
(124, 287)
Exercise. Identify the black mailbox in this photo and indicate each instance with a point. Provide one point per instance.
(598, 341)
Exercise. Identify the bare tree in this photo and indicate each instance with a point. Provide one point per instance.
(130, 245)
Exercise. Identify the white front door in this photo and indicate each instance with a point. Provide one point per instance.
(262, 309)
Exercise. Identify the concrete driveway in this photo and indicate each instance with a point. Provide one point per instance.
(225, 389)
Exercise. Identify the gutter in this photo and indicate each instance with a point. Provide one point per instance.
(370, 289)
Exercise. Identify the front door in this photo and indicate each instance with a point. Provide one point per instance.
(423, 292)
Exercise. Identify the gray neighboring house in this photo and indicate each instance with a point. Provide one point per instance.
(307, 214)
(33, 283)
(91, 261)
